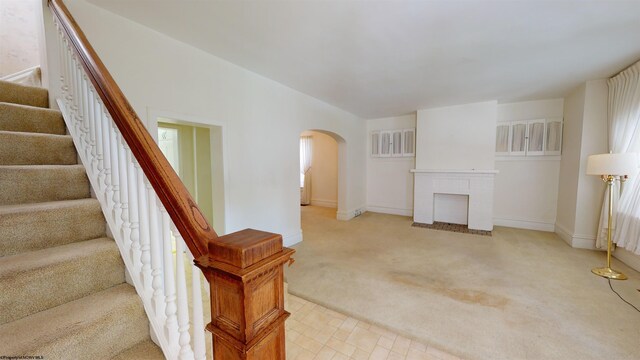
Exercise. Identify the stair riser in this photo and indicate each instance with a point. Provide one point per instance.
(36, 149)
(117, 332)
(21, 118)
(22, 185)
(50, 226)
(98, 326)
(25, 95)
(28, 286)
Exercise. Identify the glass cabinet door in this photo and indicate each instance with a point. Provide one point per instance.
(409, 142)
(553, 137)
(385, 143)
(375, 144)
(535, 135)
(502, 139)
(396, 143)
(518, 138)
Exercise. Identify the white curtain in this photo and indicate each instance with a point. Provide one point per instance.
(305, 170)
(624, 136)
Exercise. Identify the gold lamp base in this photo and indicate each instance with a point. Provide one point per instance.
(609, 273)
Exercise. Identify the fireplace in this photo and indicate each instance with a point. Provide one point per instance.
(441, 194)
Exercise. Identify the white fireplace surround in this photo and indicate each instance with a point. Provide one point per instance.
(477, 184)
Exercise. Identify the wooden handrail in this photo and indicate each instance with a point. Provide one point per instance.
(187, 217)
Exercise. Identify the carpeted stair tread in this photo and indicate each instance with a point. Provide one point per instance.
(24, 148)
(98, 326)
(28, 227)
(145, 350)
(41, 183)
(25, 118)
(62, 290)
(38, 280)
(25, 95)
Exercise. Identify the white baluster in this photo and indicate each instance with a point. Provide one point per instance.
(74, 84)
(67, 70)
(81, 110)
(171, 327)
(183, 307)
(97, 121)
(115, 173)
(156, 247)
(106, 159)
(124, 191)
(134, 220)
(73, 90)
(145, 243)
(60, 55)
(67, 75)
(90, 122)
(68, 97)
(199, 343)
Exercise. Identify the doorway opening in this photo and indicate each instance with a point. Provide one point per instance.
(322, 172)
(22, 41)
(195, 153)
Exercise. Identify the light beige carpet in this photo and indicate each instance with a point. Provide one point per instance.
(517, 295)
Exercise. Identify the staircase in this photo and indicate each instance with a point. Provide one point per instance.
(63, 293)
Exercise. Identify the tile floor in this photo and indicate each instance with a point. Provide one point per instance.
(315, 332)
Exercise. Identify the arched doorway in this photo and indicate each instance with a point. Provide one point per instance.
(324, 184)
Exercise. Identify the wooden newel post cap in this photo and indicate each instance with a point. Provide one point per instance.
(245, 272)
(245, 248)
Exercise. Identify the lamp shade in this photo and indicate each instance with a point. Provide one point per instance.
(612, 164)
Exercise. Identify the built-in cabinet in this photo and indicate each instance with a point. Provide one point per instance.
(529, 138)
(393, 143)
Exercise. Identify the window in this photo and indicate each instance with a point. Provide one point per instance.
(168, 143)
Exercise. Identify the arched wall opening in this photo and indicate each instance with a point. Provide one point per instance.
(328, 185)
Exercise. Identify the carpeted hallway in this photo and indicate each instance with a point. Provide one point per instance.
(517, 295)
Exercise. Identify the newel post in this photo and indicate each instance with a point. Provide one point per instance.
(245, 272)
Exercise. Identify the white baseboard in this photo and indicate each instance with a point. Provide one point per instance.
(345, 215)
(324, 203)
(350, 214)
(563, 233)
(584, 242)
(388, 210)
(292, 238)
(630, 259)
(577, 241)
(524, 224)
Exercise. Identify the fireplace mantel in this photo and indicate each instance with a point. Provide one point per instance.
(477, 184)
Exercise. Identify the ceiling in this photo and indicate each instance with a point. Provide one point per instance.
(386, 58)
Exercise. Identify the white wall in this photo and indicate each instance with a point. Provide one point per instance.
(389, 180)
(570, 164)
(526, 188)
(457, 137)
(594, 141)
(324, 170)
(580, 195)
(261, 119)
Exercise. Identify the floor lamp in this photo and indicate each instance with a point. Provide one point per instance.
(610, 167)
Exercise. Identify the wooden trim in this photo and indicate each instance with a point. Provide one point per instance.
(189, 220)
